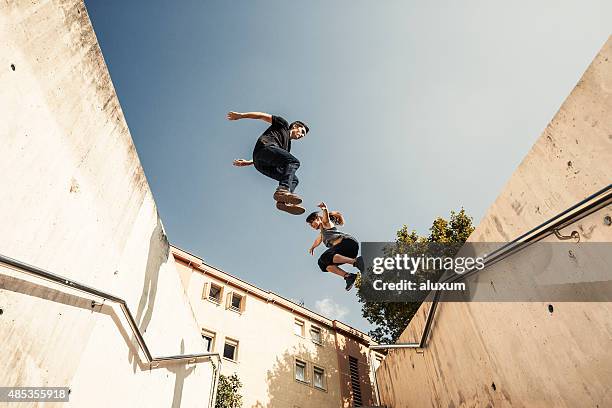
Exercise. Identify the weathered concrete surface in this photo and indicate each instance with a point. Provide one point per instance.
(75, 201)
(520, 354)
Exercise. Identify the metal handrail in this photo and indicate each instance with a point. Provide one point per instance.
(60, 280)
(578, 211)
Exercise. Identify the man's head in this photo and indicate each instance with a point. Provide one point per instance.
(314, 220)
(297, 130)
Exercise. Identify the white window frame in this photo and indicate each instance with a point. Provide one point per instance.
(213, 299)
(231, 342)
(323, 378)
(297, 362)
(212, 335)
(302, 324)
(316, 329)
(240, 307)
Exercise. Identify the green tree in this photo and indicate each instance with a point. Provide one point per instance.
(228, 392)
(391, 319)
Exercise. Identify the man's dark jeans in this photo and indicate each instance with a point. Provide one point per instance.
(279, 164)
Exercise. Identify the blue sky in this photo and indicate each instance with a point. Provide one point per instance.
(415, 109)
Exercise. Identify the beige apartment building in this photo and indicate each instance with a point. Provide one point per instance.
(286, 355)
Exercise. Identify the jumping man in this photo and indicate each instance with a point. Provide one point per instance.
(342, 247)
(271, 157)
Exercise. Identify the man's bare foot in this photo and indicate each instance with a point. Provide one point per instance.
(284, 196)
(290, 208)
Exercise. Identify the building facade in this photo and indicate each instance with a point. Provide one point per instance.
(284, 354)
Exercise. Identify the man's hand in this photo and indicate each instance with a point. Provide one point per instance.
(234, 115)
(242, 162)
(311, 250)
(322, 205)
(266, 117)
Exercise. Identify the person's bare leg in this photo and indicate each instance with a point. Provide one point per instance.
(338, 271)
(341, 259)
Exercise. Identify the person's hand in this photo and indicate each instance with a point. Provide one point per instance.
(322, 205)
(234, 116)
(242, 162)
(311, 250)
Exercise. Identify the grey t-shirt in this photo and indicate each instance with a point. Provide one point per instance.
(331, 234)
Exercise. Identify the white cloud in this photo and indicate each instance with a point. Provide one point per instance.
(331, 309)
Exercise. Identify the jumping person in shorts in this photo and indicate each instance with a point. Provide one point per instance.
(271, 157)
(342, 247)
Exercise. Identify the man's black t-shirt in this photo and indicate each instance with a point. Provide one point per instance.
(275, 135)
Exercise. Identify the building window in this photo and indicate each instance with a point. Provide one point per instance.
(300, 370)
(209, 340)
(319, 378)
(298, 327)
(230, 350)
(315, 334)
(236, 304)
(215, 293)
(355, 383)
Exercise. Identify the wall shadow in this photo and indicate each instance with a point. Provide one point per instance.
(32, 289)
(281, 380)
(28, 288)
(159, 250)
(181, 372)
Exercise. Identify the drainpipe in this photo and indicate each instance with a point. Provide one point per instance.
(212, 399)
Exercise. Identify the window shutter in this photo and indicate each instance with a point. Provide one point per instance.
(243, 303)
(205, 291)
(228, 300)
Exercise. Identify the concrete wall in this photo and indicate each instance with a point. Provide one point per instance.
(520, 354)
(75, 201)
(268, 346)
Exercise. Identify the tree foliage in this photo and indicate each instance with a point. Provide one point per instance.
(228, 392)
(391, 319)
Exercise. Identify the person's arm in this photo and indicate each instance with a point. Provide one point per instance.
(242, 162)
(315, 244)
(326, 221)
(266, 117)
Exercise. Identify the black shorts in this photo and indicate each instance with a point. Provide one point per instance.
(347, 247)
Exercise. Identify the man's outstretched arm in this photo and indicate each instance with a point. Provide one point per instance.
(250, 115)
